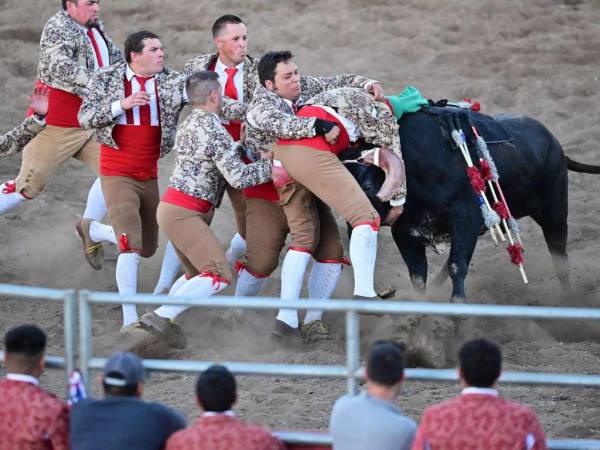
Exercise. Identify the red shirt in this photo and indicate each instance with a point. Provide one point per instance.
(479, 422)
(223, 432)
(318, 142)
(31, 418)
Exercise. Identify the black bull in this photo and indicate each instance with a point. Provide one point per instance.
(441, 204)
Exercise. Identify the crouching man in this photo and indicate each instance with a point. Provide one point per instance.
(207, 158)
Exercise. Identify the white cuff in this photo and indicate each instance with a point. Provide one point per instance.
(115, 108)
(398, 201)
(41, 122)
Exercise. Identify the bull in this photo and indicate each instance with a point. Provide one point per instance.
(442, 206)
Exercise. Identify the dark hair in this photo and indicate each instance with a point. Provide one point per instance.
(216, 389)
(480, 362)
(119, 391)
(64, 3)
(222, 21)
(268, 64)
(26, 340)
(200, 84)
(386, 363)
(135, 42)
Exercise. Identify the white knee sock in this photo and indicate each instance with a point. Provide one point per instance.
(194, 287)
(292, 276)
(248, 285)
(8, 198)
(236, 249)
(178, 283)
(127, 273)
(168, 270)
(363, 253)
(322, 281)
(95, 207)
(100, 232)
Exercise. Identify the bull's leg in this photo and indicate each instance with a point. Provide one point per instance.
(413, 253)
(555, 234)
(465, 227)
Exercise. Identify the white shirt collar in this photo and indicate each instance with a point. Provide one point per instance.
(129, 73)
(229, 413)
(220, 67)
(480, 391)
(22, 377)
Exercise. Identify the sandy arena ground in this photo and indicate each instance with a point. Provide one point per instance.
(538, 57)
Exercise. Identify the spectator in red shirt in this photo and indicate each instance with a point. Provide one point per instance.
(479, 419)
(218, 428)
(30, 418)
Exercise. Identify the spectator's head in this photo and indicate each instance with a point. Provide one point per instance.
(278, 72)
(385, 369)
(144, 53)
(216, 389)
(231, 39)
(124, 375)
(84, 12)
(204, 91)
(480, 363)
(25, 347)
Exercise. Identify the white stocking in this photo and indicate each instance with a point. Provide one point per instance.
(363, 253)
(168, 270)
(292, 276)
(127, 273)
(322, 281)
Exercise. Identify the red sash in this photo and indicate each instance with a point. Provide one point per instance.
(63, 108)
(266, 191)
(176, 197)
(319, 142)
(137, 155)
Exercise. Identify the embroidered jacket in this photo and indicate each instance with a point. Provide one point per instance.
(376, 122)
(271, 117)
(31, 418)
(107, 86)
(479, 422)
(207, 156)
(14, 141)
(67, 56)
(223, 432)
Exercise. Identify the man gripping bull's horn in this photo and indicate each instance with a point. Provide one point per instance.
(357, 116)
(271, 116)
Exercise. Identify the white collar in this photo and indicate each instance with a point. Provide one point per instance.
(129, 73)
(220, 67)
(22, 377)
(229, 413)
(480, 391)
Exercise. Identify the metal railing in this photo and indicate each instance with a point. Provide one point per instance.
(352, 308)
(69, 300)
(351, 370)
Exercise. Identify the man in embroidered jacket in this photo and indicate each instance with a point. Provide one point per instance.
(479, 419)
(135, 106)
(73, 46)
(271, 115)
(30, 418)
(207, 159)
(218, 428)
(238, 78)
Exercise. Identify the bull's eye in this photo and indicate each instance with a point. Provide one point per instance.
(368, 187)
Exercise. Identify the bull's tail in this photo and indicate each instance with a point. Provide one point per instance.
(580, 167)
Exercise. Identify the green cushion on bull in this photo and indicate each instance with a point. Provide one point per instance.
(410, 100)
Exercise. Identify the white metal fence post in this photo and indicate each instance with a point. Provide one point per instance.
(70, 330)
(352, 350)
(85, 337)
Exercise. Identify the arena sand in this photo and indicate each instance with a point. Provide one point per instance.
(537, 57)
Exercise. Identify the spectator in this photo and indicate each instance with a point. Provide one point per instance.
(30, 418)
(479, 419)
(218, 428)
(372, 420)
(122, 420)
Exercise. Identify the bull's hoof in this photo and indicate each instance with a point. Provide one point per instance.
(418, 283)
(458, 299)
